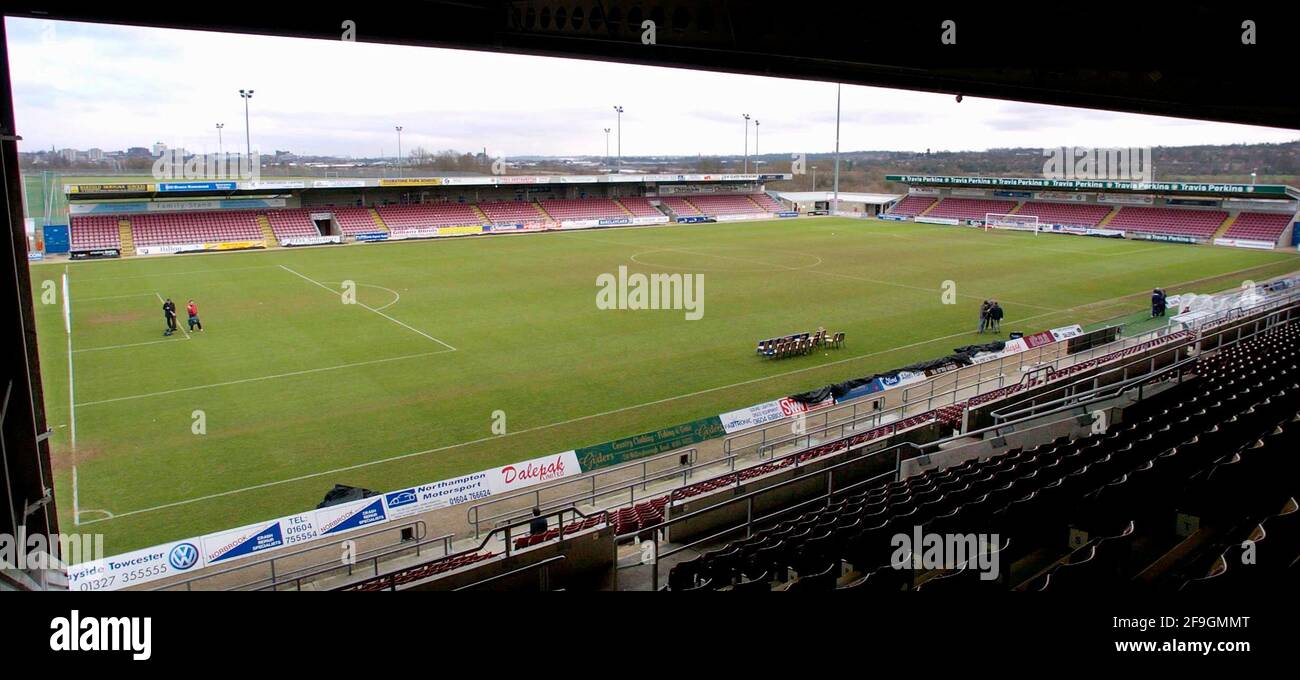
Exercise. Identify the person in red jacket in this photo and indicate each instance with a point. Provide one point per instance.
(193, 311)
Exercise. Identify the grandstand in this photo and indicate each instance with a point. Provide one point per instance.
(330, 211)
(1242, 215)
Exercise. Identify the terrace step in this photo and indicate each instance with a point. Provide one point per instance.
(1109, 216)
(545, 215)
(127, 241)
(482, 216)
(379, 221)
(267, 232)
(1227, 224)
(623, 208)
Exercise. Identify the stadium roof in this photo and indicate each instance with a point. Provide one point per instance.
(96, 191)
(877, 199)
(1217, 189)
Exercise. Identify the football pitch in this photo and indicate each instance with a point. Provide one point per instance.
(289, 390)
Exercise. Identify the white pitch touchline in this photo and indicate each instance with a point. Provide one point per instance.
(72, 401)
(261, 378)
(76, 506)
(812, 271)
(606, 413)
(372, 309)
(133, 344)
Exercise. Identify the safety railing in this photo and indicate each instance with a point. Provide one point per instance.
(1018, 411)
(415, 542)
(623, 494)
(505, 534)
(544, 573)
(830, 491)
(587, 487)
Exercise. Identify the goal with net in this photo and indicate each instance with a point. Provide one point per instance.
(1011, 221)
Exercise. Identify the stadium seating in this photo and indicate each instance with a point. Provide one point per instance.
(94, 232)
(291, 223)
(1258, 226)
(728, 204)
(970, 208)
(510, 212)
(1199, 224)
(1068, 214)
(679, 206)
(415, 218)
(640, 206)
(582, 208)
(1219, 446)
(175, 228)
(353, 221)
(912, 206)
(767, 203)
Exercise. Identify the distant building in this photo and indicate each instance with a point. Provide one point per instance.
(95, 155)
(159, 148)
(69, 155)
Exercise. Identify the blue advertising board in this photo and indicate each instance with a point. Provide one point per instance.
(56, 238)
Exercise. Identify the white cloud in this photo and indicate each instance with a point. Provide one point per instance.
(86, 85)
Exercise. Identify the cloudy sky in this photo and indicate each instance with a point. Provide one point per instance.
(85, 85)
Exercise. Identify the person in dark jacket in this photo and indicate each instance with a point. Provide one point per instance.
(995, 316)
(1158, 303)
(984, 315)
(538, 524)
(169, 313)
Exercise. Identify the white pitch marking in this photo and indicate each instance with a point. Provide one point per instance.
(178, 323)
(372, 309)
(260, 378)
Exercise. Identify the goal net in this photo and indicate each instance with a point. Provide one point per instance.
(1009, 221)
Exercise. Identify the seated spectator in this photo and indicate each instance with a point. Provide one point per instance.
(538, 524)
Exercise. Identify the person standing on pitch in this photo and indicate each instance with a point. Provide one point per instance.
(193, 310)
(169, 313)
(995, 316)
(1157, 303)
(984, 315)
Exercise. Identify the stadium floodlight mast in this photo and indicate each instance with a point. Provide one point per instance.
(607, 146)
(219, 148)
(814, 186)
(1252, 178)
(399, 150)
(618, 110)
(746, 117)
(755, 144)
(248, 144)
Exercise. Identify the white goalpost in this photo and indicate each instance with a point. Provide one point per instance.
(1011, 221)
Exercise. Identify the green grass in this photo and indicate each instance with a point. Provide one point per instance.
(529, 341)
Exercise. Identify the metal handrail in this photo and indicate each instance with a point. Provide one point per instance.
(504, 531)
(472, 513)
(544, 565)
(418, 524)
(630, 487)
(1121, 386)
(374, 560)
(748, 497)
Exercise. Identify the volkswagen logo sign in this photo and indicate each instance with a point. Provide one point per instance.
(183, 556)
